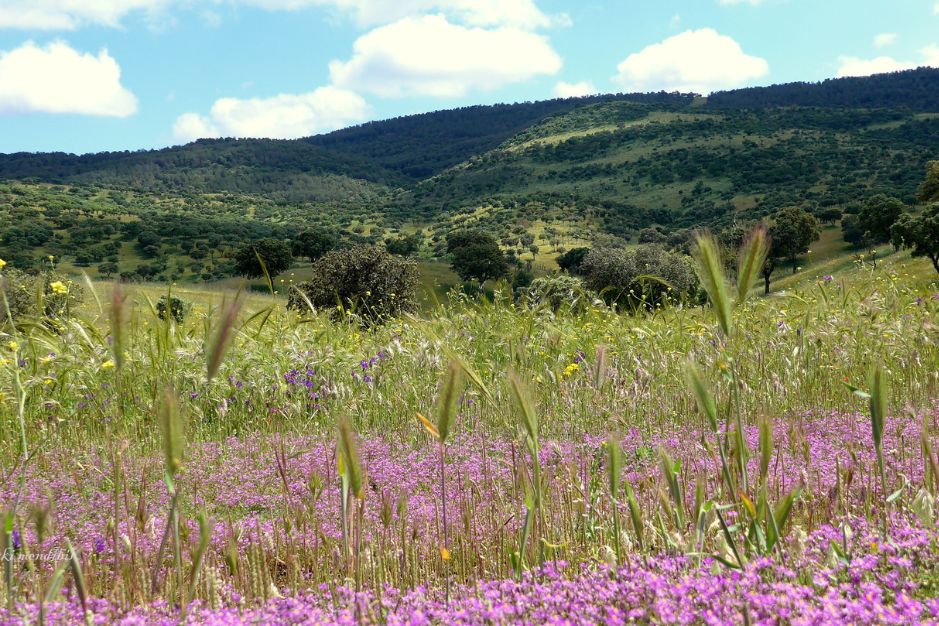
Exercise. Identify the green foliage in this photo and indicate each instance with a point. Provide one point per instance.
(878, 216)
(173, 307)
(913, 89)
(571, 260)
(929, 189)
(313, 244)
(558, 292)
(405, 246)
(44, 296)
(852, 232)
(919, 233)
(366, 280)
(477, 256)
(792, 232)
(647, 275)
(274, 254)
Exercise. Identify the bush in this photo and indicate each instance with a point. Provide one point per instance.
(177, 308)
(366, 279)
(571, 260)
(46, 296)
(643, 276)
(275, 254)
(557, 292)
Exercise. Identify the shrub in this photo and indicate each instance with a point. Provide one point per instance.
(647, 275)
(177, 308)
(558, 292)
(46, 295)
(366, 279)
(275, 254)
(571, 260)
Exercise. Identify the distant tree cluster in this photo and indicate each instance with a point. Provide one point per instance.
(914, 90)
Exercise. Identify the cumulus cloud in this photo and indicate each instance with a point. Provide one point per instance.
(59, 79)
(70, 14)
(285, 116)
(429, 56)
(699, 61)
(854, 66)
(573, 90)
(517, 13)
(884, 39)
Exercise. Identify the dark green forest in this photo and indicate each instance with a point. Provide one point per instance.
(535, 175)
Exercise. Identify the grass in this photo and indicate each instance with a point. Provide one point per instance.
(302, 463)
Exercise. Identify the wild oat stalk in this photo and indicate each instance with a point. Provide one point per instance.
(350, 470)
(710, 270)
(878, 409)
(614, 471)
(450, 388)
(174, 443)
(750, 261)
(215, 350)
(534, 495)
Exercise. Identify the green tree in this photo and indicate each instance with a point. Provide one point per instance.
(275, 254)
(107, 268)
(929, 190)
(477, 256)
(404, 246)
(570, 261)
(792, 232)
(852, 232)
(366, 279)
(919, 233)
(877, 216)
(313, 244)
(646, 275)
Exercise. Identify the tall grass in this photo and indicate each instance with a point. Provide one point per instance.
(715, 408)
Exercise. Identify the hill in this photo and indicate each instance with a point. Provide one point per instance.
(540, 176)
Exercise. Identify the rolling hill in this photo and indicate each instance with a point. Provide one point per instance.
(540, 176)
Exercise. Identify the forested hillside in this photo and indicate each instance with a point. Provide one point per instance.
(539, 177)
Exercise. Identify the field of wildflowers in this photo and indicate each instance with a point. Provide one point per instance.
(758, 460)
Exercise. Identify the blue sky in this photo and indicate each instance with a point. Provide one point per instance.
(92, 75)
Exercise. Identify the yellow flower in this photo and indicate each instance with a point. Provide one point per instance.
(107, 364)
(58, 287)
(570, 369)
(3, 264)
(13, 345)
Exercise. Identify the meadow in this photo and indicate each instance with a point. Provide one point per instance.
(756, 460)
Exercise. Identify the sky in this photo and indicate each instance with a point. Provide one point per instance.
(101, 75)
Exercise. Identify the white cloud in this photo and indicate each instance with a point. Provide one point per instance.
(70, 14)
(930, 55)
(884, 39)
(429, 56)
(699, 61)
(285, 116)
(573, 90)
(935, 9)
(854, 66)
(59, 79)
(517, 13)
(675, 22)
